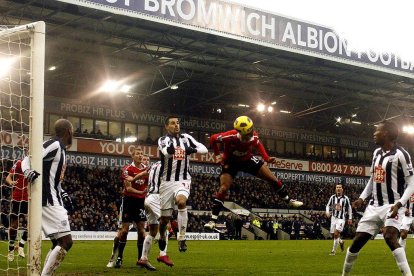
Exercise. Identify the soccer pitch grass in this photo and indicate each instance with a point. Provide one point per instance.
(305, 257)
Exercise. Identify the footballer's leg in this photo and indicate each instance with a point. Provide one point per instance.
(22, 242)
(12, 236)
(162, 243)
(335, 238)
(143, 261)
(390, 237)
(218, 200)
(403, 236)
(57, 255)
(361, 238)
(141, 237)
(163, 257)
(123, 234)
(182, 220)
(266, 174)
(115, 247)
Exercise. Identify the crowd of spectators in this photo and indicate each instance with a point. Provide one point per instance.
(98, 134)
(251, 192)
(97, 195)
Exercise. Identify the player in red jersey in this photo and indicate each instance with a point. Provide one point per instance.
(238, 145)
(135, 179)
(19, 204)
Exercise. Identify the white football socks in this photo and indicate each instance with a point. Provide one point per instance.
(182, 220)
(146, 248)
(53, 262)
(349, 262)
(401, 259)
(335, 245)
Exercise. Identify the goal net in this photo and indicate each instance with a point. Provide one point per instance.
(22, 51)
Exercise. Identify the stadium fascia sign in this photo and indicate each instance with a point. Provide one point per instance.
(252, 25)
(96, 153)
(81, 159)
(76, 108)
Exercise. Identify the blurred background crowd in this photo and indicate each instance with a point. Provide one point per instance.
(97, 194)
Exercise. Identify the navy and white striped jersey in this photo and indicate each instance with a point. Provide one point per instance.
(340, 206)
(154, 178)
(175, 167)
(388, 172)
(54, 165)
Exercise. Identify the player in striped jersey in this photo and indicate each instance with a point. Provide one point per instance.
(55, 221)
(337, 208)
(175, 148)
(406, 222)
(391, 184)
(153, 212)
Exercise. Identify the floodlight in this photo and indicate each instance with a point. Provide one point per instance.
(260, 107)
(109, 86)
(5, 65)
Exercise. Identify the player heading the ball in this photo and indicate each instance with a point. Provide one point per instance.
(237, 155)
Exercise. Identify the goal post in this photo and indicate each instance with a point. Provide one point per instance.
(22, 61)
(36, 146)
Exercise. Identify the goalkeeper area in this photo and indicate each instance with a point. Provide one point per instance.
(22, 51)
(303, 257)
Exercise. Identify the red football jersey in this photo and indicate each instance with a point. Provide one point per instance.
(20, 188)
(234, 148)
(139, 184)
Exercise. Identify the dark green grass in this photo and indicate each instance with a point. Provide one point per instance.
(229, 258)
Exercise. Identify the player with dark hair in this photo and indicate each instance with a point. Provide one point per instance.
(135, 179)
(19, 205)
(391, 184)
(238, 145)
(175, 148)
(337, 208)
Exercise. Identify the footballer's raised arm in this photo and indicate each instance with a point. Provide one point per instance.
(215, 140)
(196, 145)
(262, 151)
(166, 146)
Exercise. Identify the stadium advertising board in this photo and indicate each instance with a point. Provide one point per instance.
(253, 25)
(80, 159)
(334, 168)
(312, 137)
(115, 148)
(13, 139)
(314, 177)
(75, 108)
(74, 158)
(290, 164)
(109, 236)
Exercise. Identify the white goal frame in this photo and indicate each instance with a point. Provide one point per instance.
(37, 63)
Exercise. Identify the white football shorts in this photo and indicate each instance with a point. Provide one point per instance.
(376, 217)
(169, 190)
(55, 222)
(337, 224)
(406, 223)
(152, 208)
